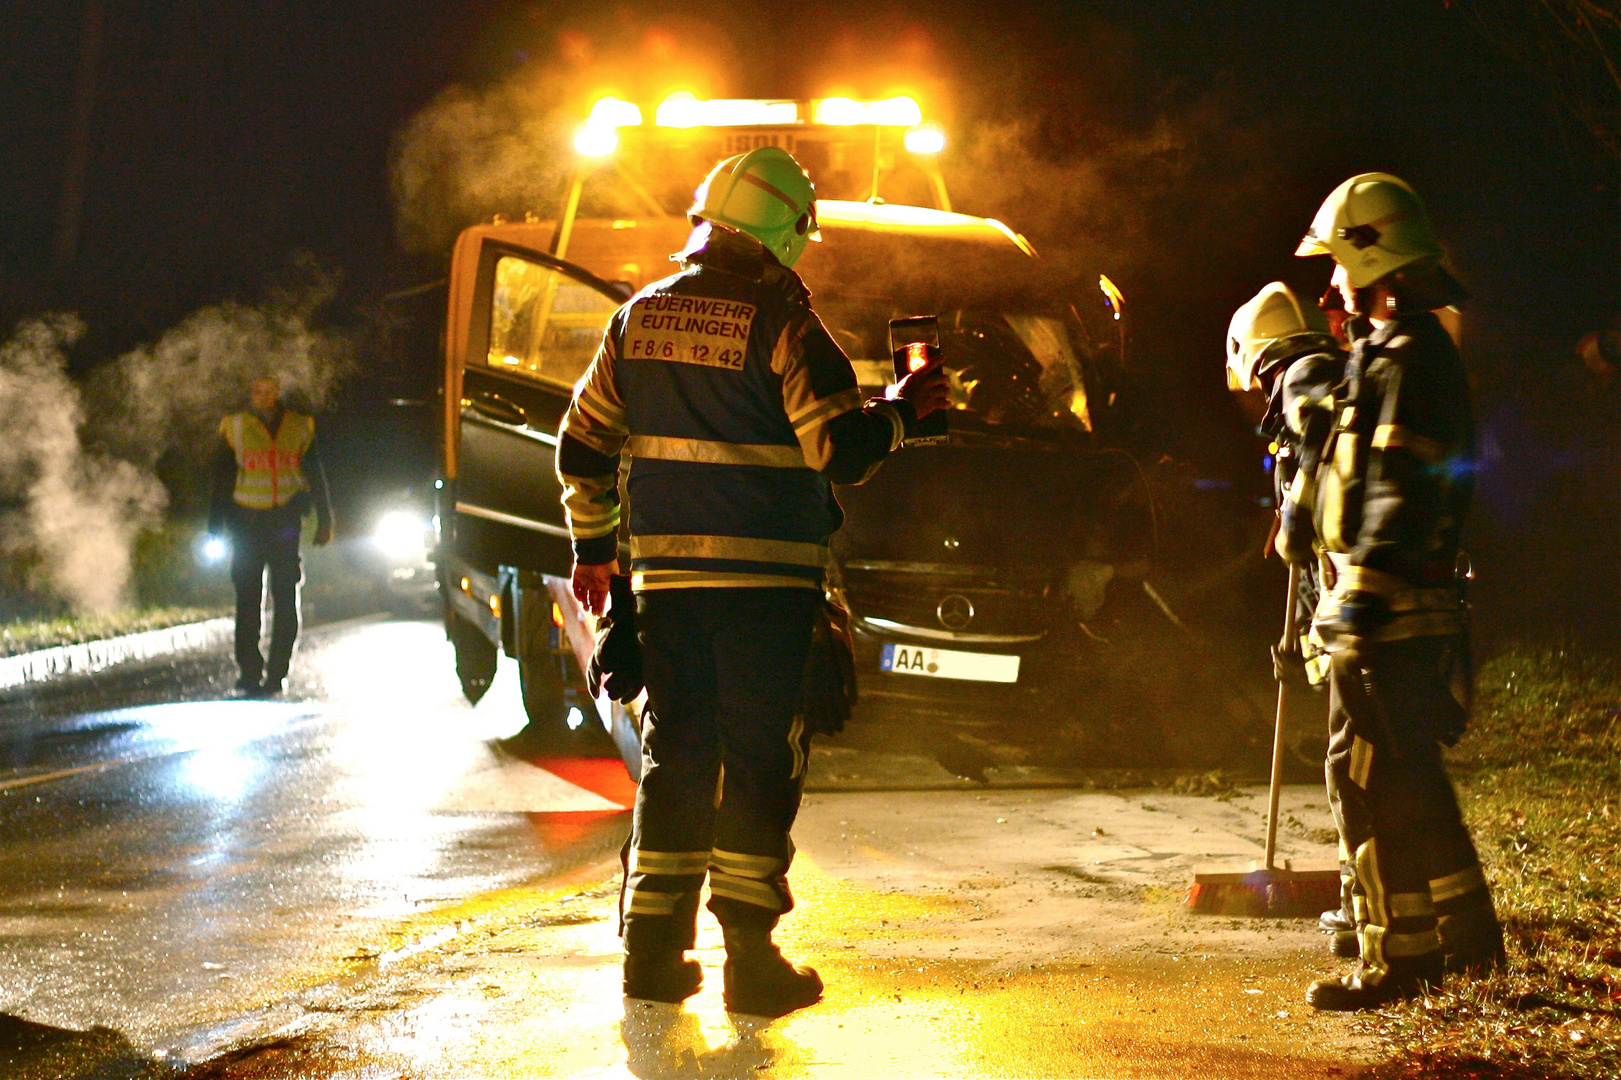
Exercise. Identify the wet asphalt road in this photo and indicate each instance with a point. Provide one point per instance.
(171, 856)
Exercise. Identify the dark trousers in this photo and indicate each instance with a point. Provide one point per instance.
(724, 750)
(265, 540)
(1417, 878)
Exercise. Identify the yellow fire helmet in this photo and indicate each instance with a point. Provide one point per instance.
(1265, 330)
(1372, 224)
(764, 193)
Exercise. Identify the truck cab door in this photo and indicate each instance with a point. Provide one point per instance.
(523, 327)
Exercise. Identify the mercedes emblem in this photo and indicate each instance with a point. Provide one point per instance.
(955, 612)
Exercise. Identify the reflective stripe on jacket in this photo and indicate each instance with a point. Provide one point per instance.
(739, 412)
(269, 468)
(1398, 476)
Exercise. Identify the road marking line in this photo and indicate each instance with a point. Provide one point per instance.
(61, 774)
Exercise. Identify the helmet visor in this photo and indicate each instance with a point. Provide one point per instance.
(1310, 245)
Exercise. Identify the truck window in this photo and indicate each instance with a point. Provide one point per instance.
(543, 323)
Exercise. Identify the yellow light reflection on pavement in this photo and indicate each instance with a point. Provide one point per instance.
(541, 999)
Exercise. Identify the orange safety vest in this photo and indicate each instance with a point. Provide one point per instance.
(269, 468)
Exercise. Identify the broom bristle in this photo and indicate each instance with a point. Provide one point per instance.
(1303, 895)
(1277, 894)
(1235, 898)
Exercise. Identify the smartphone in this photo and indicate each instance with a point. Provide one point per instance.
(914, 344)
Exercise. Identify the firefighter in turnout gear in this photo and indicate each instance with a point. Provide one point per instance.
(267, 476)
(1283, 347)
(738, 412)
(1288, 349)
(1392, 493)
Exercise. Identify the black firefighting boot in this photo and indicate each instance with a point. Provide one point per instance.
(1342, 925)
(1407, 978)
(662, 976)
(1345, 944)
(1473, 942)
(759, 981)
(1336, 922)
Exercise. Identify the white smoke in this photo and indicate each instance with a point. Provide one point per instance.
(79, 511)
(174, 392)
(78, 464)
(471, 153)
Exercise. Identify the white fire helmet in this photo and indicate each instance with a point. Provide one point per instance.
(1273, 315)
(1372, 224)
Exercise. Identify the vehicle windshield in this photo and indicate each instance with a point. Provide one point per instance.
(1008, 366)
(1005, 337)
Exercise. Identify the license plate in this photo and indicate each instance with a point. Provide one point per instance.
(949, 664)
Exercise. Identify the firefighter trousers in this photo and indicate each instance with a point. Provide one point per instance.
(724, 750)
(265, 540)
(1417, 884)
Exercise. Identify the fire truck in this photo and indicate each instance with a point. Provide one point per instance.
(970, 568)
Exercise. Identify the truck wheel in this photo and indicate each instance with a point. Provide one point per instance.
(551, 702)
(475, 658)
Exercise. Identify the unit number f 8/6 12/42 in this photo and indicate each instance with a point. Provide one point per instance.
(696, 352)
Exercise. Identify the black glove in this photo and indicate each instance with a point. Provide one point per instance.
(616, 665)
(828, 690)
(1289, 667)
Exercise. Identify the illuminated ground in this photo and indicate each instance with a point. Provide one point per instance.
(351, 884)
(949, 950)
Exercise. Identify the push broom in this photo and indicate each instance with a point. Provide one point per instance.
(1268, 890)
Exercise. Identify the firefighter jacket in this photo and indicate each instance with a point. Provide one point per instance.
(1395, 485)
(738, 412)
(255, 469)
(1299, 416)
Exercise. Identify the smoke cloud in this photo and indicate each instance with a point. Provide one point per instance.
(173, 392)
(79, 511)
(472, 153)
(78, 464)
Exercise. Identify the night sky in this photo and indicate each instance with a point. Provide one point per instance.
(1182, 147)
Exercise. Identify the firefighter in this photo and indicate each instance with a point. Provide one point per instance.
(1300, 349)
(1292, 352)
(1393, 490)
(1285, 348)
(738, 412)
(267, 477)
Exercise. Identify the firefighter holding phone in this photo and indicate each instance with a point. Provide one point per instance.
(739, 413)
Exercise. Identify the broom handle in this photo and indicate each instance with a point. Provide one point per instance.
(1277, 726)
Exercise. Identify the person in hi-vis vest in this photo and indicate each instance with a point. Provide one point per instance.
(267, 476)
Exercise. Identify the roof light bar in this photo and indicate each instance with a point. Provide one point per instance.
(890, 112)
(615, 113)
(684, 110)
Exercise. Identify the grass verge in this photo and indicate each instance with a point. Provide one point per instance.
(27, 635)
(1539, 777)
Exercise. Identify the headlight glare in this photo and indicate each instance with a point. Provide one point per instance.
(401, 535)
